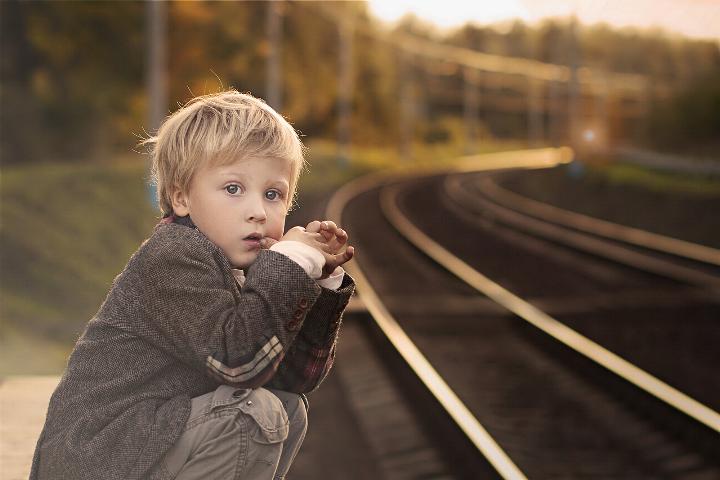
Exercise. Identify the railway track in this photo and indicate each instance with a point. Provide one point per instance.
(511, 393)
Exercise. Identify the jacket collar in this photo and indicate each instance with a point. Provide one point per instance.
(238, 273)
(172, 218)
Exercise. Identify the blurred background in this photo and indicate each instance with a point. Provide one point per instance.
(632, 86)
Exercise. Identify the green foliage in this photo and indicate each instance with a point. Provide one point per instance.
(73, 73)
(688, 119)
(658, 181)
(68, 230)
(72, 78)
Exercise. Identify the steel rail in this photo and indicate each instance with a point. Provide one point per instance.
(603, 228)
(581, 241)
(466, 421)
(419, 364)
(552, 327)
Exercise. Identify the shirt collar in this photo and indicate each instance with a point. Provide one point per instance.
(239, 276)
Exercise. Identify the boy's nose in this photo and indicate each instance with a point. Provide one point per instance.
(256, 212)
(257, 218)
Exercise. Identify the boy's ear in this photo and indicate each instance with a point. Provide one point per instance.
(180, 202)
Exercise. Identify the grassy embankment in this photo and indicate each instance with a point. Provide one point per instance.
(659, 181)
(69, 229)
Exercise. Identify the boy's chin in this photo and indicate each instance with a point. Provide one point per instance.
(244, 262)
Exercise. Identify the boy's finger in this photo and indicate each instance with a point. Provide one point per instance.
(314, 226)
(339, 235)
(329, 225)
(336, 244)
(341, 239)
(342, 257)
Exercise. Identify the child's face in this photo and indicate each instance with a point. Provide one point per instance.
(230, 202)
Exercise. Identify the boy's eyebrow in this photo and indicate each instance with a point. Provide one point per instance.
(281, 180)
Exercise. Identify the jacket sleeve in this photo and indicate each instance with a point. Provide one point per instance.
(312, 354)
(194, 313)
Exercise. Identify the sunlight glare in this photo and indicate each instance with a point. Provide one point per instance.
(449, 13)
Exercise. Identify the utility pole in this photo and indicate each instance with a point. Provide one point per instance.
(471, 108)
(555, 91)
(407, 107)
(156, 12)
(273, 27)
(574, 113)
(345, 91)
(601, 112)
(156, 68)
(535, 112)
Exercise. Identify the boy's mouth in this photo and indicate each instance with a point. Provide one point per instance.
(253, 240)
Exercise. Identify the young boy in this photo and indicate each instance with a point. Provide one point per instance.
(167, 379)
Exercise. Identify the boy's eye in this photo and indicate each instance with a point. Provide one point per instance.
(273, 194)
(232, 189)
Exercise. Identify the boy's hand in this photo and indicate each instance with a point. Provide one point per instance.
(326, 237)
(299, 234)
(335, 238)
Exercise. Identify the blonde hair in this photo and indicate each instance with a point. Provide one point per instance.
(220, 128)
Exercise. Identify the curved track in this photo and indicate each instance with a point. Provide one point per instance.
(533, 408)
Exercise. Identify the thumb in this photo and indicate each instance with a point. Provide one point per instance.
(267, 242)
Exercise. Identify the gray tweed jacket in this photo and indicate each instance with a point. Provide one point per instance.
(175, 325)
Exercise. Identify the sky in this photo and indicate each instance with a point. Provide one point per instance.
(692, 18)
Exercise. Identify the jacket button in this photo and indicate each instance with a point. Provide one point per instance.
(303, 303)
(293, 325)
(298, 314)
